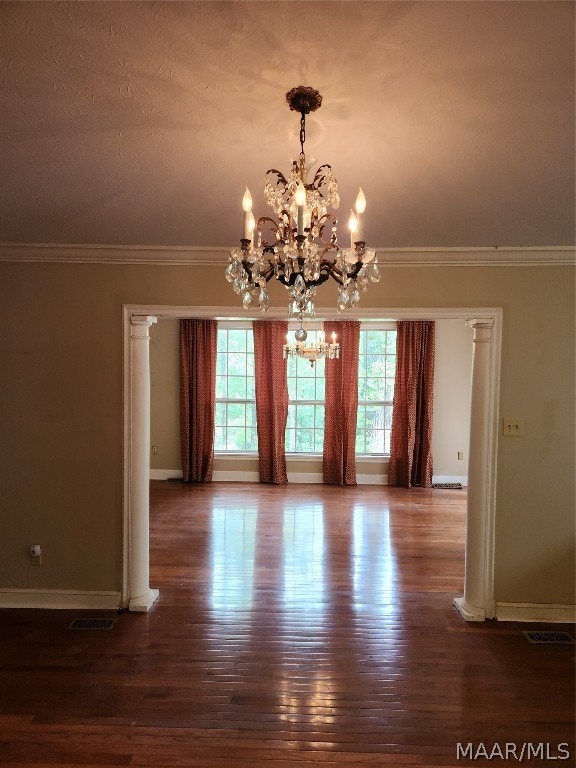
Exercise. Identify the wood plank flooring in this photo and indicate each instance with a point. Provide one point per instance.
(297, 626)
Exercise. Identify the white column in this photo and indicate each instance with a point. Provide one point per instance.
(141, 596)
(473, 604)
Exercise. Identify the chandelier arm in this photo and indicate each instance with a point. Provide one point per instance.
(268, 274)
(280, 178)
(319, 177)
(322, 223)
(275, 227)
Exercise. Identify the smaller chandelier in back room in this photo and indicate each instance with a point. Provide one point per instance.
(299, 247)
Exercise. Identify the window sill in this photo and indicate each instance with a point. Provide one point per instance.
(372, 458)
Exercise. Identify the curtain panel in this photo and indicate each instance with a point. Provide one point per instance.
(341, 405)
(411, 437)
(271, 398)
(197, 398)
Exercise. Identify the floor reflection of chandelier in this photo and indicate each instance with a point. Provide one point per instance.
(299, 247)
(312, 351)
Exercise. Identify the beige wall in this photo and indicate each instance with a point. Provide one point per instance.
(451, 432)
(164, 395)
(61, 411)
(452, 383)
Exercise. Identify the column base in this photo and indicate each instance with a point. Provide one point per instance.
(469, 612)
(143, 603)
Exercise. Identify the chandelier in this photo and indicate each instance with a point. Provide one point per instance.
(313, 351)
(300, 247)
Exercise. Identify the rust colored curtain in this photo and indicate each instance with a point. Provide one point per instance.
(411, 437)
(197, 398)
(341, 405)
(271, 398)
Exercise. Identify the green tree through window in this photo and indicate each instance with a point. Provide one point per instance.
(235, 400)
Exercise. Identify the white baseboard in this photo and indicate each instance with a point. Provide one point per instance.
(234, 476)
(462, 479)
(164, 474)
(372, 479)
(305, 477)
(543, 612)
(231, 476)
(56, 598)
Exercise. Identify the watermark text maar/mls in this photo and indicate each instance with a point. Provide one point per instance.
(509, 750)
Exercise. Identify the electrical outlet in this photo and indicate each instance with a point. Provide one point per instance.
(155, 450)
(460, 455)
(513, 427)
(35, 553)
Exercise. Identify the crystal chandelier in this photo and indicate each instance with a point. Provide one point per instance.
(299, 247)
(311, 352)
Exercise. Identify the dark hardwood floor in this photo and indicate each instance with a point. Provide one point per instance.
(297, 626)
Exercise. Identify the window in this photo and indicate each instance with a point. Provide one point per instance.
(376, 371)
(235, 417)
(305, 425)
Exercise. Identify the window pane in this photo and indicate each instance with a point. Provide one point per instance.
(376, 341)
(251, 439)
(292, 388)
(222, 340)
(236, 364)
(290, 440)
(305, 440)
(221, 387)
(236, 414)
(237, 340)
(220, 439)
(388, 416)
(220, 414)
(375, 441)
(236, 439)
(305, 389)
(251, 415)
(237, 387)
(221, 364)
(319, 442)
(304, 416)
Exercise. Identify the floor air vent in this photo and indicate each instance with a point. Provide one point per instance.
(89, 623)
(457, 486)
(549, 637)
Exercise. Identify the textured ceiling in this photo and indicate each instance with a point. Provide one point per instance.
(141, 123)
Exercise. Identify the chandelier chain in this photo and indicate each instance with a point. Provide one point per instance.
(302, 132)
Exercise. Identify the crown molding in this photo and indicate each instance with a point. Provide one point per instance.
(556, 255)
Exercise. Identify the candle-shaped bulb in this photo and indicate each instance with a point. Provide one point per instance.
(300, 197)
(360, 201)
(353, 224)
(360, 208)
(249, 222)
(333, 337)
